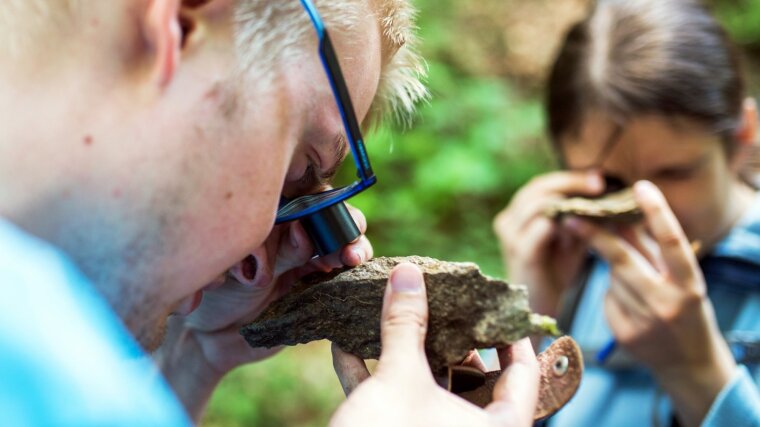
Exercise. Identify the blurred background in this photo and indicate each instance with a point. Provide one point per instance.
(441, 182)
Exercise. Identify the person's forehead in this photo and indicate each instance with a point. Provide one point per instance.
(646, 139)
(596, 130)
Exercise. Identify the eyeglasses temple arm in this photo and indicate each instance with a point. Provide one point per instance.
(347, 112)
(338, 85)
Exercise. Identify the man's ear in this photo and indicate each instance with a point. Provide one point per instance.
(162, 31)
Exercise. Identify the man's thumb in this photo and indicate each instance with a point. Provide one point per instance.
(404, 318)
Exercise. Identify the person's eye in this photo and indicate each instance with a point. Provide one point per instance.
(307, 182)
(308, 174)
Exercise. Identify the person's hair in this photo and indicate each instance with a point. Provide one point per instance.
(266, 34)
(270, 31)
(647, 57)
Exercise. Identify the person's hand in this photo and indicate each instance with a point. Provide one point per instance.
(206, 344)
(657, 305)
(403, 392)
(537, 250)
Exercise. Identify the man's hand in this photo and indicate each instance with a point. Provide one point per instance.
(203, 346)
(403, 392)
(657, 305)
(538, 251)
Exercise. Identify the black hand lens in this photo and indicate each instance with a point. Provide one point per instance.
(330, 228)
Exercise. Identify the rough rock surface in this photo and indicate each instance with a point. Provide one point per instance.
(467, 310)
(620, 206)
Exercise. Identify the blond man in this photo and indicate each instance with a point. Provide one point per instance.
(144, 148)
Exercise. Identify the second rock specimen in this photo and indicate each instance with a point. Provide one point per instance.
(620, 207)
(467, 310)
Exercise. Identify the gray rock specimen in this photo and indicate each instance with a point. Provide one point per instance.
(467, 310)
(620, 207)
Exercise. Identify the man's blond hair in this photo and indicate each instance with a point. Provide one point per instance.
(268, 32)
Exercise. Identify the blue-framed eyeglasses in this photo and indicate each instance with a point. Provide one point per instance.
(304, 206)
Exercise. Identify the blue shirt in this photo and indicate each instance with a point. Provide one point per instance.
(65, 358)
(627, 395)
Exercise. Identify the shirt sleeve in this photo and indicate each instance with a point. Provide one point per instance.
(737, 405)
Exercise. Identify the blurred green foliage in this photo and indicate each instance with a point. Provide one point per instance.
(297, 387)
(741, 19)
(439, 185)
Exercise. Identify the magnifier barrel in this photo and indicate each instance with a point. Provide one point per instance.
(330, 228)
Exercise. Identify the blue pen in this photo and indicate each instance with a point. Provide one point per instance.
(605, 352)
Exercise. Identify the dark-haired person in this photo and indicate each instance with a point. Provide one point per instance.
(649, 93)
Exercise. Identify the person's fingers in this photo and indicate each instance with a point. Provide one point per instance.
(535, 231)
(503, 227)
(350, 255)
(625, 262)
(294, 250)
(535, 197)
(539, 233)
(516, 392)
(633, 301)
(564, 183)
(666, 230)
(359, 218)
(638, 237)
(578, 227)
(530, 211)
(356, 252)
(619, 318)
(403, 322)
(351, 370)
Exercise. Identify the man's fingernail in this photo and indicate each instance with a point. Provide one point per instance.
(359, 254)
(595, 181)
(406, 279)
(645, 189)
